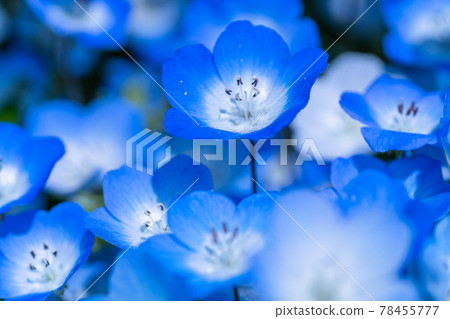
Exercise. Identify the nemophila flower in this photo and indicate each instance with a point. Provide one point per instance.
(94, 138)
(25, 165)
(335, 256)
(152, 20)
(434, 264)
(136, 203)
(205, 20)
(248, 87)
(214, 242)
(335, 133)
(137, 276)
(398, 115)
(66, 18)
(419, 32)
(40, 251)
(420, 175)
(154, 28)
(77, 286)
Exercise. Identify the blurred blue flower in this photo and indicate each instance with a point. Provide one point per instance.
(420, 175)
(370, 245)
(241, 90)
(418, 32)
(434, 265)
(137, 276)
(77, 286)
(25, 165)
(153, 28)
(94, 138)
(214, 242)
(398, 114)
(335, 133)
(24, 78)
(205, 20)
(67, 19)
(38, 259)
(136, 203)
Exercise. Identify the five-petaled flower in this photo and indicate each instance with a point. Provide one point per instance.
(214, 242)
(136, 203)
(248, 87)
(40, 251)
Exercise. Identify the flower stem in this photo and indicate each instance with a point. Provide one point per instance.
(236, 293)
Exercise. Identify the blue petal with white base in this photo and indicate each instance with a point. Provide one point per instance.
(398, 114)
(136, 203)
(38, 260)
(241, 89)
(214, 243)
(25, 165)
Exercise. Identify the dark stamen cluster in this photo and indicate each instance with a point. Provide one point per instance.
(412, 110)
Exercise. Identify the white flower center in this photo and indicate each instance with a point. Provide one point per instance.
(405, 120)
(244, 98)
(226, 253)
(44, 267)
(153, 222)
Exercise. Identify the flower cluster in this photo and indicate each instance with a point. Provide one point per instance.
(87, 89)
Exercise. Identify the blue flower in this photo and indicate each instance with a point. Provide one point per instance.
(153, 28)
(94, 138)
(214, 242)
(77, 286)
(66, 18)
(205, 19)
(248, 87)
(40, 251)
(326, 254)
(136, 203)
(398, 115)
(421, 176)
(334, 132)
(25, 165)
(137, 276)
(418, 32)
(434, 263)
